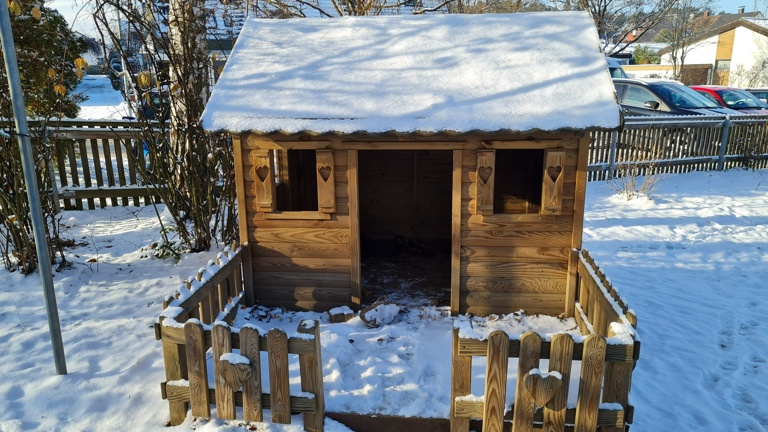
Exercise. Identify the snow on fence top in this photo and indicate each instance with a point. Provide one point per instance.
(460, 73)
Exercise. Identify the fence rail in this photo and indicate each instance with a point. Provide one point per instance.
(99, 163)
(96, 163)
(197, 318)
(675, 144)
(605, 374)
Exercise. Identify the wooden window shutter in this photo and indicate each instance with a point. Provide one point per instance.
(326, 191)
(486, 161)
(552, 184)
(263, 174)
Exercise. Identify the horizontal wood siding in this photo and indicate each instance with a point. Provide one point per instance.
(304, 263)
(515, 261)
(503, 263)
(406, 193)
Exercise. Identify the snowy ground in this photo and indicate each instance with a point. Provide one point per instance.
(104, 103)
(691, 263)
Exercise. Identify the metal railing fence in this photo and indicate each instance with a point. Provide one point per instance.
(676, 144)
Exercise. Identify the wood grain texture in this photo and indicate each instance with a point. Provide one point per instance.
(311, 370)
(264, 187)
(552, 183)
(496, 382)
(484, 175)
(560, 360)
(530, 353)
(298, 235)
(311, 265)
(513, 285)
(225, 395)
(461, 383)
(242, 211)
(456, 227)
(250, 347)
(515, 238)
(174, 359)
(614, 353)
(514, 269)
(616, 386)
(279, 391)
(326, 190)
(197, 368)
(289, 279)
(522, 254)
(301, 250)
(572, 282)
(591, 378)
(581, 192)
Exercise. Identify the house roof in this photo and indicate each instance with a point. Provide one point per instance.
(706, 24)
(428, 74)
(757, 25)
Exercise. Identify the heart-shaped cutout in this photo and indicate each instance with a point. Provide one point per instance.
(235, 375)
(325, 172)
(262, 173)
(484, 173)
(542, 387)
(554, 172)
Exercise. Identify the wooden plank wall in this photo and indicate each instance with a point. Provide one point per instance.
(515, 261)
(300, 264)
(406, 193)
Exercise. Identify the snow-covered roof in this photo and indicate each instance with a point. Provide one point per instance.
(460, 73)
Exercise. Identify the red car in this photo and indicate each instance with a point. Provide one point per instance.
(733, 98)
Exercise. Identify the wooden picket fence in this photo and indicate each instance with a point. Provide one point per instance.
(541, 398)
(100, 163)
(213, 297)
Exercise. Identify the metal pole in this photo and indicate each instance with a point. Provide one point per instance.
(28, 166)
(612, 154)
(723, 143)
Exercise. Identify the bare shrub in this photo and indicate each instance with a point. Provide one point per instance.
(639, 175)
(192, 172)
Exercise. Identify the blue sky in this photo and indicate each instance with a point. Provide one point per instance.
(732, 6)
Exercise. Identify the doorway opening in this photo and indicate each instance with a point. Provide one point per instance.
(405, 226)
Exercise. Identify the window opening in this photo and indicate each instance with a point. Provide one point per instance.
(517, 187)
(296, 180)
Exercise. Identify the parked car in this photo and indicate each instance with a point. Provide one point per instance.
(653, 97)
(761, 93)
(155, 105)
(614, 67)
(730, 97)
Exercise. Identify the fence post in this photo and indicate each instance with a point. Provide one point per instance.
(723, 143)
(560, 360)
(311, 370)
(250, 347)
(194, 337)
(461, 383)
(524, 407)
(612, 154)
(279, 391)
(496, 381)
(221, 336)
(590, 382)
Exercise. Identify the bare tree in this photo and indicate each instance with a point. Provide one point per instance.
(616, 20)
(164, 47)
(687, 22)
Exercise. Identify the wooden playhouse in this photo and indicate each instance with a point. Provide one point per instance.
(463, 135)
(468, 134)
